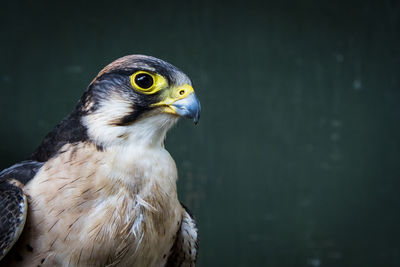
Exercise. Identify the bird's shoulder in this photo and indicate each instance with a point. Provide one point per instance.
(23, 171)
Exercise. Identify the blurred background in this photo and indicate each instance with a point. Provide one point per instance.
(295, 161)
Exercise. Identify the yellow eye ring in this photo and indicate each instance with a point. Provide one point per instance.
(147, 82)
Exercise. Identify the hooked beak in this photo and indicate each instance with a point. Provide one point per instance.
(182, 101)
(188, 107)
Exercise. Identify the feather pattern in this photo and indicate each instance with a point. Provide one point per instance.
(118, 220)
(184, 251)
(101, 187)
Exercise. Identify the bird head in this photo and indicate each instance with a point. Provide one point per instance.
(137, 99)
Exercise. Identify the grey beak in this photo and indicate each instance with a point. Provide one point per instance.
(188, 107)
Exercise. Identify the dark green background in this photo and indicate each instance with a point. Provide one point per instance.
(295, 161)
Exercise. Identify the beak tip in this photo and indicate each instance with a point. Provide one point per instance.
(197, 116)
(189, 107)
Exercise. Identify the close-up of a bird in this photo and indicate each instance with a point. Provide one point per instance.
(100, 190)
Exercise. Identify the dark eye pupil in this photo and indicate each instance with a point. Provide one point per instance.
(144, 80)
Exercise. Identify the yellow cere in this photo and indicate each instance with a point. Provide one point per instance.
(175, 94)
(159, 83)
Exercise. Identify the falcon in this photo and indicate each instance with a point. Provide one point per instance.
(100, 190)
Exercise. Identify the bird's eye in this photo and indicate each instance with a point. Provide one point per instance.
(144, 80)
(147, 82)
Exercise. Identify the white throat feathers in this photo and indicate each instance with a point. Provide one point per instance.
(149, 130)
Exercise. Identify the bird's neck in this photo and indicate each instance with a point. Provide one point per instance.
(149, 132)
(141, 157)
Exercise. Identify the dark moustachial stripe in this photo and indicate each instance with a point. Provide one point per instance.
(119, 82)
